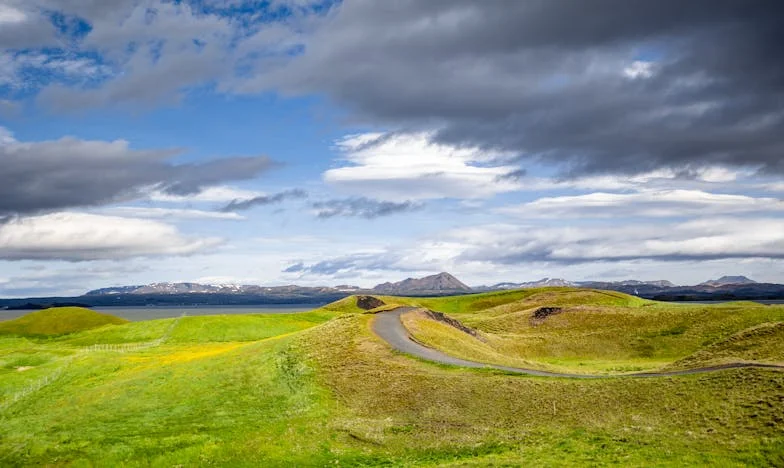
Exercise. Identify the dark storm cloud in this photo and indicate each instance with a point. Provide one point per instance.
(67, 173)
(546, 79)
(237, 205)
(362, 208)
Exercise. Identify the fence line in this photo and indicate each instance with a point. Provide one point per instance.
(117, 348)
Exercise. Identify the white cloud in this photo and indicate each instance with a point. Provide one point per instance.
(498, 252)
(14, 68)
(663, 203)
(11, 15)
(216, 194)
(170, 213)
(639, 69)
(411, 167)
(703, 239)
(774, 186)
(80, 236)
(661, 179)
(67, 173)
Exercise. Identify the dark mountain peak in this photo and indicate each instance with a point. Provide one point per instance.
(724, 280)
(434, 283)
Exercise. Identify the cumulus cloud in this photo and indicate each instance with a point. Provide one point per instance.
(262, 200)
(606, 87)
(590, 87)
(82, 237)
(22, 26)
(361, 207)
(69, 172)
(410, 167)
(159, 50)
(665, 203)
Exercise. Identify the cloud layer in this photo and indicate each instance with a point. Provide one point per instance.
(67, 173)
(397, 167)
(82, 237)
(605, 86)
(361, 208)
(262, 200)
(610, 86)
(661, 203)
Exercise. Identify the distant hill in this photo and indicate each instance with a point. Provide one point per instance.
(442, 282)
(57, 321)
(725, 280)
(549, 282)
(197, 288)
(544, 282)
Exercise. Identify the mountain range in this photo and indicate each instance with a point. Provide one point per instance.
(545, 282)
(172, 294)
(437, 284)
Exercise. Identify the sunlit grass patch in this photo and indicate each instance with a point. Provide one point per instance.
(319, 389)
(590, 332)
(57, 321)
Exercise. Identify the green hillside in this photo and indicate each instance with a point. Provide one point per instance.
(57, 321)
(321, 389)
(591, 331)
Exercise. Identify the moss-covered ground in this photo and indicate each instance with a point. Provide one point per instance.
(320, 389)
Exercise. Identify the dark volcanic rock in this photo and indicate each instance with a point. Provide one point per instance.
(440, 317)
(369, 302)
(542, 313)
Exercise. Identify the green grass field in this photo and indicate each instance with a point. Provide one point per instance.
(319, 388)
(600, 331)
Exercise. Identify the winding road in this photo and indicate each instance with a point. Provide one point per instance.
(388, 327)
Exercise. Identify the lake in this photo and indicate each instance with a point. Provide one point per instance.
(136, 314)
(761, 301)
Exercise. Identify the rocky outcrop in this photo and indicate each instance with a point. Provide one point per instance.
(369, 302)
(440, 317)
(542, 313)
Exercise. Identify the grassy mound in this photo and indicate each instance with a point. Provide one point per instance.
(320, 389)
(761, 343)
(349, 305)
(519, 299)
(57, 321)
(421, 414)
(588, 331)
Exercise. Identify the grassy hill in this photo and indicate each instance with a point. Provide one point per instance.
(590, 331)
(57, 321)
(319, 388)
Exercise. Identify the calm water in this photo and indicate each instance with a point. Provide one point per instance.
(149, 313)
(762, 301)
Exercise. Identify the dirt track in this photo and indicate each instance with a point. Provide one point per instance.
(388, 326)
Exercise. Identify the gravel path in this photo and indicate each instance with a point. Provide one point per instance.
(388, 326)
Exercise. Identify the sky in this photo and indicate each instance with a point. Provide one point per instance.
(325, 142)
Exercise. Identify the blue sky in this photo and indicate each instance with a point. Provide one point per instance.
(324, 143)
